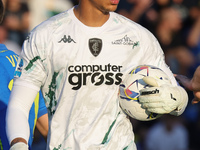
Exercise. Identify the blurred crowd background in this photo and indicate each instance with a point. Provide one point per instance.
(175, 23)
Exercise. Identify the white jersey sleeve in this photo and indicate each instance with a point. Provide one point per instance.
(20, 102)
(156, 57)
(154, 53)
(25, 88)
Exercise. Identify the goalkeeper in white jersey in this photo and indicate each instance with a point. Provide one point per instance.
(78, 59)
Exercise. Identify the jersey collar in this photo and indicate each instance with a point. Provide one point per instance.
(91, 30)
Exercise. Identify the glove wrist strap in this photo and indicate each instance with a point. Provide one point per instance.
(183, 102)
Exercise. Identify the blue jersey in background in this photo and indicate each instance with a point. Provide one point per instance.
(8, 62)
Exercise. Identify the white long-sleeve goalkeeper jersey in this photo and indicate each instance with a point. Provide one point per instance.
(79, 69)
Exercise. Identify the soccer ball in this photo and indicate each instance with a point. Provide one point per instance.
(130, 87)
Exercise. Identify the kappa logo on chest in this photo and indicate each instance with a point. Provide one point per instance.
(66, 39)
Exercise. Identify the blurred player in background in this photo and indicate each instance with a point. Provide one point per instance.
(78, 58)
(193, 84)
(38, 112)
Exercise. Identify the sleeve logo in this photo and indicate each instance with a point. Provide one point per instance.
(18, 70)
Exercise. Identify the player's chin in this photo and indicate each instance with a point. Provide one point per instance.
(111, 8)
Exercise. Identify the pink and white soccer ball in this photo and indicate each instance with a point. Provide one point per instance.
(130, 87)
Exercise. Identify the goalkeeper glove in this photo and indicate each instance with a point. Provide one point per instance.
(163, 98)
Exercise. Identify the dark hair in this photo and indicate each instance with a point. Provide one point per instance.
(1, 11)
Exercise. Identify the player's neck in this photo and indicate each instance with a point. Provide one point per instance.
(91, 16)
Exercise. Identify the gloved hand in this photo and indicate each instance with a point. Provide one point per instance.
(162, 97)
(19, 146)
